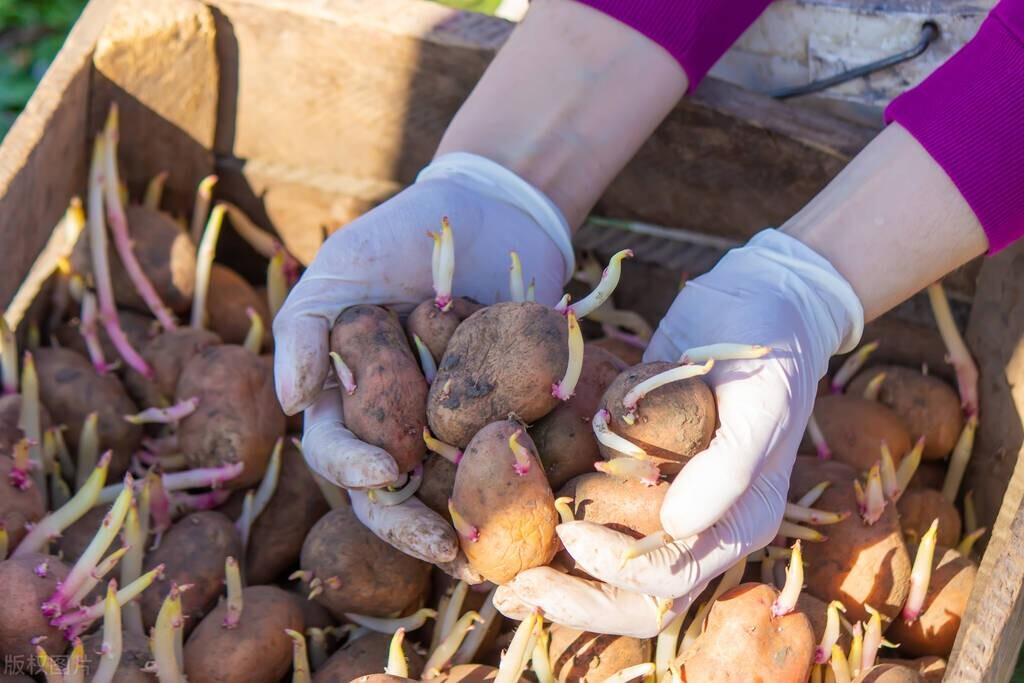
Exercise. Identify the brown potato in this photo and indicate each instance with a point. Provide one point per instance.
(135, 654)
(816, 612)
(626, 506)
(673, 423)
(215, 654)
(365, 656)
(564, 437)
(935, 630)
(514, 514)
(809, 471)
(918, 507)
(435, 327)
(855, 428)
(929, 475)
(581, 657)
(629, 354)
(138, 328)
(193, 552)
(503, 360)
(387, 408)
(314, 615)
(438, 483)
(470, 673)
(889, 673)
(70, 389)
(18, 507)
(275, 539)
(858, 564)
(227, 301)
(73, 541)
(167, 353)
(238, 418)
(360, 572)
(932, 669)
(25, 583)
(928, 406)
(742, 641)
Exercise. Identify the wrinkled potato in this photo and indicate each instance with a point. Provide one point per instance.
(228, 299)
(889, 673)
(167, 353)
(215, 654)
(855, 429)
(581, 657)
(70, 389)
(564, 437)
(742, 641)
(193, 552)
(435, 327)
(512, 510)
(502, 360)
(387, 408)
(928, 406)
(438, 483)
(135, 654)
(18, 507)
(673, 423)
(365, 656)
(360, 572)
(238, 418)
(26, 582)
(918, 507)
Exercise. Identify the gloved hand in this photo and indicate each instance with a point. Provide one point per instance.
(384, 257)
(728, 500)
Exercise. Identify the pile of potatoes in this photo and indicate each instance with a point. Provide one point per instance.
(159, 521)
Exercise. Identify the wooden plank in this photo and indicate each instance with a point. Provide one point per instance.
(43, 158)
(993, 626)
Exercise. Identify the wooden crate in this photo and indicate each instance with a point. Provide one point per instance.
(313, 111)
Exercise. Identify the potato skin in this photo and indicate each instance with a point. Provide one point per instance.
(364, 656)
(214, 654)
(388, 405)
(932, 669)
(373, 578)
(193, 552)
(438, 483)
(514, 514)
(501, 361)
(582, 657)
(564, 437)
(624, 505)
(627, 353)
(70, 389)
(167, 353)
(73, 541)
(21, 593)
(855, 428)
(238, 418)
(135, 653)
(470, 673)
(673, 423)
(18, 507)
(435, 327)
(137, 327)
(742, 641)
(228, 298)
(935, 630)
(918, 507)
(167, 256)
(889, 673)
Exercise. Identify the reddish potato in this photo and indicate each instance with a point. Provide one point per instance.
(238, 418)
(25, 583)
(135, 654)
(365, 656)
(503, 360)
(438, 483)
(167, 353)
(918, 507)
(855, 429)
(581, 657)
(18, 507)
(435, 327)
(932, 669)
(193, 552)
(360, 572)
(226, 304)
(673, 423)
(889, 673)
(626, 506)
(743, 641)
(564, 437)
(506, 500)
(387, 407)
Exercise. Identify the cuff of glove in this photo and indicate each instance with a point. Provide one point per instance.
(493, 180)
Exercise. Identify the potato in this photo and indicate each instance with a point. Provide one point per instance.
(855, 428)
(238, 418)
(256, 650)
(928, 406)
(626, 506)
(742, 641)
(629, 354)
(360, 572)
(935, 630)
(382, 678)
(25, 583)
(314, 615)
(364, 656)
(139, 328)
(816, 612)
(858, 564)
(10, 413)
(673, 423)
(581, 657)
(226, 304)
(470, 673)
(918, 507)
(809, 471)
(167, 353)
(438, 483)
(193, 552)
(502, 360)
(932, 669)
(435, 327)
(387, 408)
(889, 673)
(513, 513)
(70, 389)
(135, 654)
(73, 541)
(18, 507)
(564, 437)
(929, 475)
(476, 597)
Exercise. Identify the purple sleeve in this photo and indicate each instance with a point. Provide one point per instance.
(695, 32)
(969, 116)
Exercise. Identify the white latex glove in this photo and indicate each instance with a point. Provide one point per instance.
(384, 257)
(728, 500)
